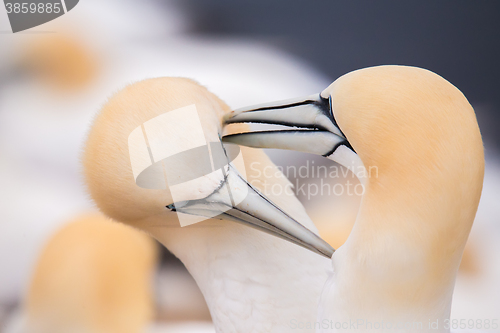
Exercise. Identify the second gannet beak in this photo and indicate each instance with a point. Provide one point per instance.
(316, 130)
(236, 200)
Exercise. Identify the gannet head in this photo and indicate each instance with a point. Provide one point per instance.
(154, 155)
(403, 121)
(406, 121)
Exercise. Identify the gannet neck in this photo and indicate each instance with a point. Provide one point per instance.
(399, 264)
(400, 261)
(252, 282)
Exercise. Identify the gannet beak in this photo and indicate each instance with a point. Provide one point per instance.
(238, 201)
(316, 129)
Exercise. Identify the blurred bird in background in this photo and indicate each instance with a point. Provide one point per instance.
(93, 275)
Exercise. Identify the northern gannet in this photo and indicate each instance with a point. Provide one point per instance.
(413, 139)
(252, 282)
(94, 275)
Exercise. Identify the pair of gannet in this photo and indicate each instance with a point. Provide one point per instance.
(399, 263)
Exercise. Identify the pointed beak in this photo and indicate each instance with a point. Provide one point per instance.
(315, 129)
(238, 201)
